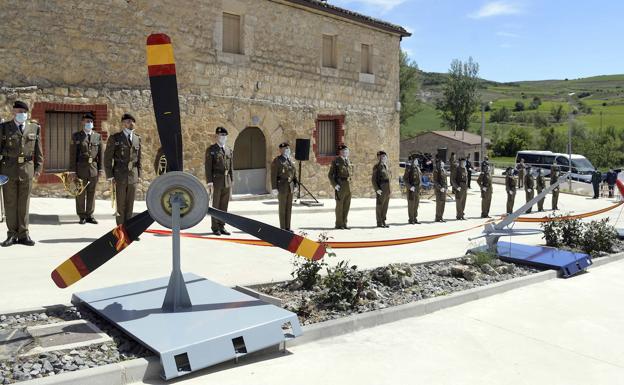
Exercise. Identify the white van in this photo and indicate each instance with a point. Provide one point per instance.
(582, 168)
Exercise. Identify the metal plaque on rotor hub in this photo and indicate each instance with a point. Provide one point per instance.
(188, 189)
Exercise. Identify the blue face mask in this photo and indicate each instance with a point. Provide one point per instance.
(88, 126)
(21, 117)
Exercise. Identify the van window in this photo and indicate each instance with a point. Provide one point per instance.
(582, 164)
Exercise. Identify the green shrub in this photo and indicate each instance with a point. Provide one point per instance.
(307, 271)
(484, 257)
(599, 237)
(343, 286)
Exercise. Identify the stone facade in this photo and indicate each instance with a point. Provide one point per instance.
(466, 144)
(70, 54)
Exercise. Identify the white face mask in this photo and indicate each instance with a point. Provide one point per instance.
(345, 153)
(415, 162)
(441, 164)
(88, 126)
(21, 117)
(221, 139)
(287, 153)
(384, 159)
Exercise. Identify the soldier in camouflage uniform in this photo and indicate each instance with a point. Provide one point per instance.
(21, 159)
(485, 183)
(461, 186)
(453, 164)
(218, 166)
(554, 176)
(540, 184)
(86, 161)
(122, 164)
(412, 180)
(521, 173)
(381, 184)
(529, 185)
(510, 187)
(339, 175)
(440, 186)
(283, 183)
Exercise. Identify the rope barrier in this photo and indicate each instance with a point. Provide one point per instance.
(387, 242)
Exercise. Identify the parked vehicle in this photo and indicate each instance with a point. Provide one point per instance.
(582, 168)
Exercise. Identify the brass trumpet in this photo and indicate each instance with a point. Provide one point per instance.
(162, 165)
(73, 186)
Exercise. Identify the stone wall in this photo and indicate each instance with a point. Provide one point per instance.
(94, 53)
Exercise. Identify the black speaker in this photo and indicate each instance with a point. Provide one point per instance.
(442, 154)
(302, 149)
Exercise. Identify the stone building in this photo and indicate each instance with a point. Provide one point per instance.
(267, 70)
(461, 143)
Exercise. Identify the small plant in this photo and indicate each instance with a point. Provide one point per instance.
(599, 237)
(563, 232)
(305, 271)
(483, 257)
(343, 286)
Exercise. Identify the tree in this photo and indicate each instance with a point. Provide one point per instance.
(552, 140)
(518, 138)
(519, 106)
(459, 98)
(500, 116)
(408, 87)
(557, 113)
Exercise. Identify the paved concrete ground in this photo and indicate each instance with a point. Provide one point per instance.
(558, 332)
(25, 271)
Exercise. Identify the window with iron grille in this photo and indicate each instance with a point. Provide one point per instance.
(329, 51)
(231, 33)
(327, 137)
(59, 127)
(365, 60)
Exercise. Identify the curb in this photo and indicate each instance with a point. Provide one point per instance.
(141, 369)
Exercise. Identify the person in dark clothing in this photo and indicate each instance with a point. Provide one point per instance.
(469, 169)
(611, 178)
(596, 179)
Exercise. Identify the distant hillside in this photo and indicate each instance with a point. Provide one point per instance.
(600, 100)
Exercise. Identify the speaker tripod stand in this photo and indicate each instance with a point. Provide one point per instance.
(301, 185)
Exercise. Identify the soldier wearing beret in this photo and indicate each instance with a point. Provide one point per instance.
(554, 176)
(529, 184)
(218, 165)
(461, 182)
(340, 173)
(381, 184)
(540, 185)
(21, 159)
(412, 179)
(283, 183)
(86, 161)
(510, 187)
(122, 164)
(485, 183)
(439, 185)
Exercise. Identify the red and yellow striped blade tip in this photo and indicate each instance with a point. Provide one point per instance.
(69, 272)
(306, 248)
(160, 60)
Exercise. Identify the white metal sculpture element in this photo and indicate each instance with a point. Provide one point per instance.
(493, 231)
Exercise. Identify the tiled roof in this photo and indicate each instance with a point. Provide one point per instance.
(464, 137)
(332, 9)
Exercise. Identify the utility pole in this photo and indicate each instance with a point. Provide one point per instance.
(570, 118)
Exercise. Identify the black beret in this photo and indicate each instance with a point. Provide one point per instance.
(88, 115)
(20, 104)
(342, 147)
(381, 152)
(221, 130)
(128, 116)
(285, 144)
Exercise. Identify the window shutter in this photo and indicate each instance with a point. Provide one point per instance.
(231, 33)
(365, 59)
(328, 51)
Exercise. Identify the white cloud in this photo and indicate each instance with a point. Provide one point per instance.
(507, 34)
(385, 5)
(496, 8)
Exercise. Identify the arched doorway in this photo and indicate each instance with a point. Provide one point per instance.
(250, 162)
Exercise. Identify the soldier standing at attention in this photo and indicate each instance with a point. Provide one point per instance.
(439, 185)
(521, 172)
(283, 183)
(86, 159)
(485, 183)
(554, 176)
(412, 179)
(510, 187)
(596, 180)
(461, 184)
(219, 177)
(453, 169)
(21, 160)
(529, 184)
(122, 164)
(540, 184)
(339, 175)
(381, 184)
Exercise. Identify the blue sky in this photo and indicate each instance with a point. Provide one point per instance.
(510, 39)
